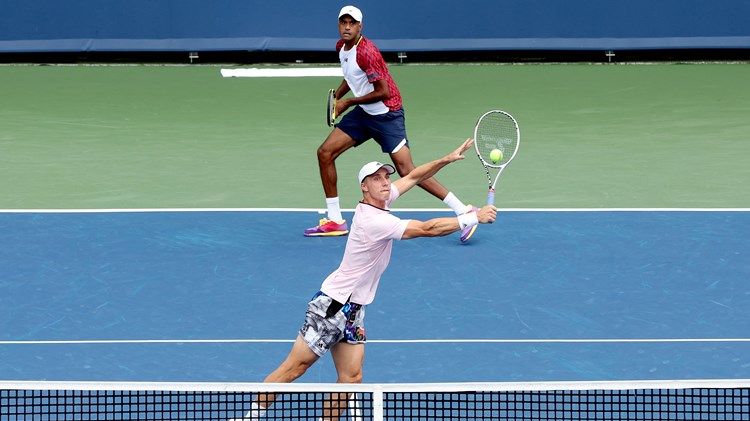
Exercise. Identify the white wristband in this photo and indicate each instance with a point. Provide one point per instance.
(468, 219)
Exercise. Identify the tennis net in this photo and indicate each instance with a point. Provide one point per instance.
(642, 400)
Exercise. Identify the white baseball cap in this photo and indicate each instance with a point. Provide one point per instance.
(352, 11)
(372, 167)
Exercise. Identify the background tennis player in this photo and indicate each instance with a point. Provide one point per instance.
(377, 114)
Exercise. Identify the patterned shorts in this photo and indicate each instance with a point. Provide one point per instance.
(321, 331)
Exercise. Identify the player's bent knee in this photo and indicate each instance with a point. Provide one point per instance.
(404, 168)
(351, 378)
(297, 372)
(294, 370)
(326, 155)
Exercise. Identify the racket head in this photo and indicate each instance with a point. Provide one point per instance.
(496, 129)
(331, 108)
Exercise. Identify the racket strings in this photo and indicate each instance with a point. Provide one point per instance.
(496, 131)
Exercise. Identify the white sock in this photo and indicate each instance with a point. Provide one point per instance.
(256, 412)
(452, 201)
(334, 210)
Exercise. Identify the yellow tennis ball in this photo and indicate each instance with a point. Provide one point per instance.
(496, 156)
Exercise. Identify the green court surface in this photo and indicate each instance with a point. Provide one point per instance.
(593, 136)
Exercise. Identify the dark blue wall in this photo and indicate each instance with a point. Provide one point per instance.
(403, 25)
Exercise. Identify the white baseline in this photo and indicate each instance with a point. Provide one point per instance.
(382, 341)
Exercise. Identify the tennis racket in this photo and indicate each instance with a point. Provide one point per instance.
(496, 131)
(331, 108)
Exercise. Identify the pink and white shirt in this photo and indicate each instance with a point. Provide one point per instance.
(367, 253)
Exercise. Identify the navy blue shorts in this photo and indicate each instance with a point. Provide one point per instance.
(388, 129)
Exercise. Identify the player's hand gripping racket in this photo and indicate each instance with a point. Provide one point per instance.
(331, 108)
(496, 140)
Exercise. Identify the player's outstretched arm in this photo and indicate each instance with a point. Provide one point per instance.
(443, 226)
(425, 171)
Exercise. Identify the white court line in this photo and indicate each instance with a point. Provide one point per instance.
(140, 210)
(382, 341)
(284, 72)
(509, 341)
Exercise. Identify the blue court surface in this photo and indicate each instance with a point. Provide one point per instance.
(219, 295)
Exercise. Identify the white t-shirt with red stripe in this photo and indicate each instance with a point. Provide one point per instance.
(367, 253)
(362, 66)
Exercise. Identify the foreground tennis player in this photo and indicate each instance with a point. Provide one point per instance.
(335, 315)
(377, 114)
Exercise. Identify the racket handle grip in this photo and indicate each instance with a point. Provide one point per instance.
(491, 197)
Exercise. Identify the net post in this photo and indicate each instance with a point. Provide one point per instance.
(377, 403)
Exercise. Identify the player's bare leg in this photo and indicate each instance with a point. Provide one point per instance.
(404, 164)
(299, 360)
(334, 224)
(348, 359)
(335, 144)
